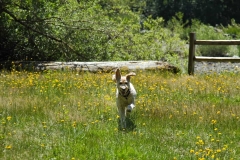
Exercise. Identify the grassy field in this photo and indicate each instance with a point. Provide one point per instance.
(66, 115)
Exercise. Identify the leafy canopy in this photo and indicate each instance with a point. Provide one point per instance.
(82, 31)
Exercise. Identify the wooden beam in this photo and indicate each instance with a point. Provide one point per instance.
(216, 59)
(217, 42)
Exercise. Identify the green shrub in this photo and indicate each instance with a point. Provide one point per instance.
(176, 25)
(233, 30)
(209, 33)
(204, 32)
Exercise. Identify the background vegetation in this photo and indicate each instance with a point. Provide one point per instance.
(102, 30)
(67, 115)
(207, 11)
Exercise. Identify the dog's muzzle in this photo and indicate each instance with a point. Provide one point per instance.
(124, 91)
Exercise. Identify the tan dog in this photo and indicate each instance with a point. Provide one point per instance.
(125, 95)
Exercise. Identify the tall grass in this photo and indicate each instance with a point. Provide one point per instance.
(66, 115)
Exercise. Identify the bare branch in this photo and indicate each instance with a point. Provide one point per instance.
(41, 33)
(27, 26)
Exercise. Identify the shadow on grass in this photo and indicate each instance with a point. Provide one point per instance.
(130, 124)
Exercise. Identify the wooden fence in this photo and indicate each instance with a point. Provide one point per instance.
(193, 58)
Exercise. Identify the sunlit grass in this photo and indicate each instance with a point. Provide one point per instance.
(68, 115)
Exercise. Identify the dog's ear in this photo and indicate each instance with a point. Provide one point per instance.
(118, 75)
(129, 75)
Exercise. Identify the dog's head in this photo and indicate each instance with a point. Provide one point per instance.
(123, 82)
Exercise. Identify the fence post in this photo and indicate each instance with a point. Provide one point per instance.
(191, 53)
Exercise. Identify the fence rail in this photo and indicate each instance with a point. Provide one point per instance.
(192, 58)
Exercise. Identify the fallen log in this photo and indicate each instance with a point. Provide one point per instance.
(91, 66)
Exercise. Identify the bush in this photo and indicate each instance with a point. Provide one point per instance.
(204, 32)
(233, 30)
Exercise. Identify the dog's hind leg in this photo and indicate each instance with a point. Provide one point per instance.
(122, 114)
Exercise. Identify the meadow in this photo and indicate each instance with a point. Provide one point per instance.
(71, 115)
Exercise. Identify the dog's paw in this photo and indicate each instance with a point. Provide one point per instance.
(130, 107)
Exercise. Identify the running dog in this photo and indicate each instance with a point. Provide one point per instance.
(125, 94)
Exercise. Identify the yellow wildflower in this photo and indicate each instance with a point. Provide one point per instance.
(191, 151)
(9, 118)
(214, 121)
(8, 147)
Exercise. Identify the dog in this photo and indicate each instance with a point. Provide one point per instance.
(125, 95)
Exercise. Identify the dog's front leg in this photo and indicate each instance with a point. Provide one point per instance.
(122, 114)
(130, 107)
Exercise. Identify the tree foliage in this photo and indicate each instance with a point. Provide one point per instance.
(81, 31)
(207, 11)
(102, 30)
(50, 30)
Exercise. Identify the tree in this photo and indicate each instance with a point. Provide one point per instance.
(49, 30)
(207, 11)
(74, 30)
(27, 31)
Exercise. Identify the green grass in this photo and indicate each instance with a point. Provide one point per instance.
(68, 115)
